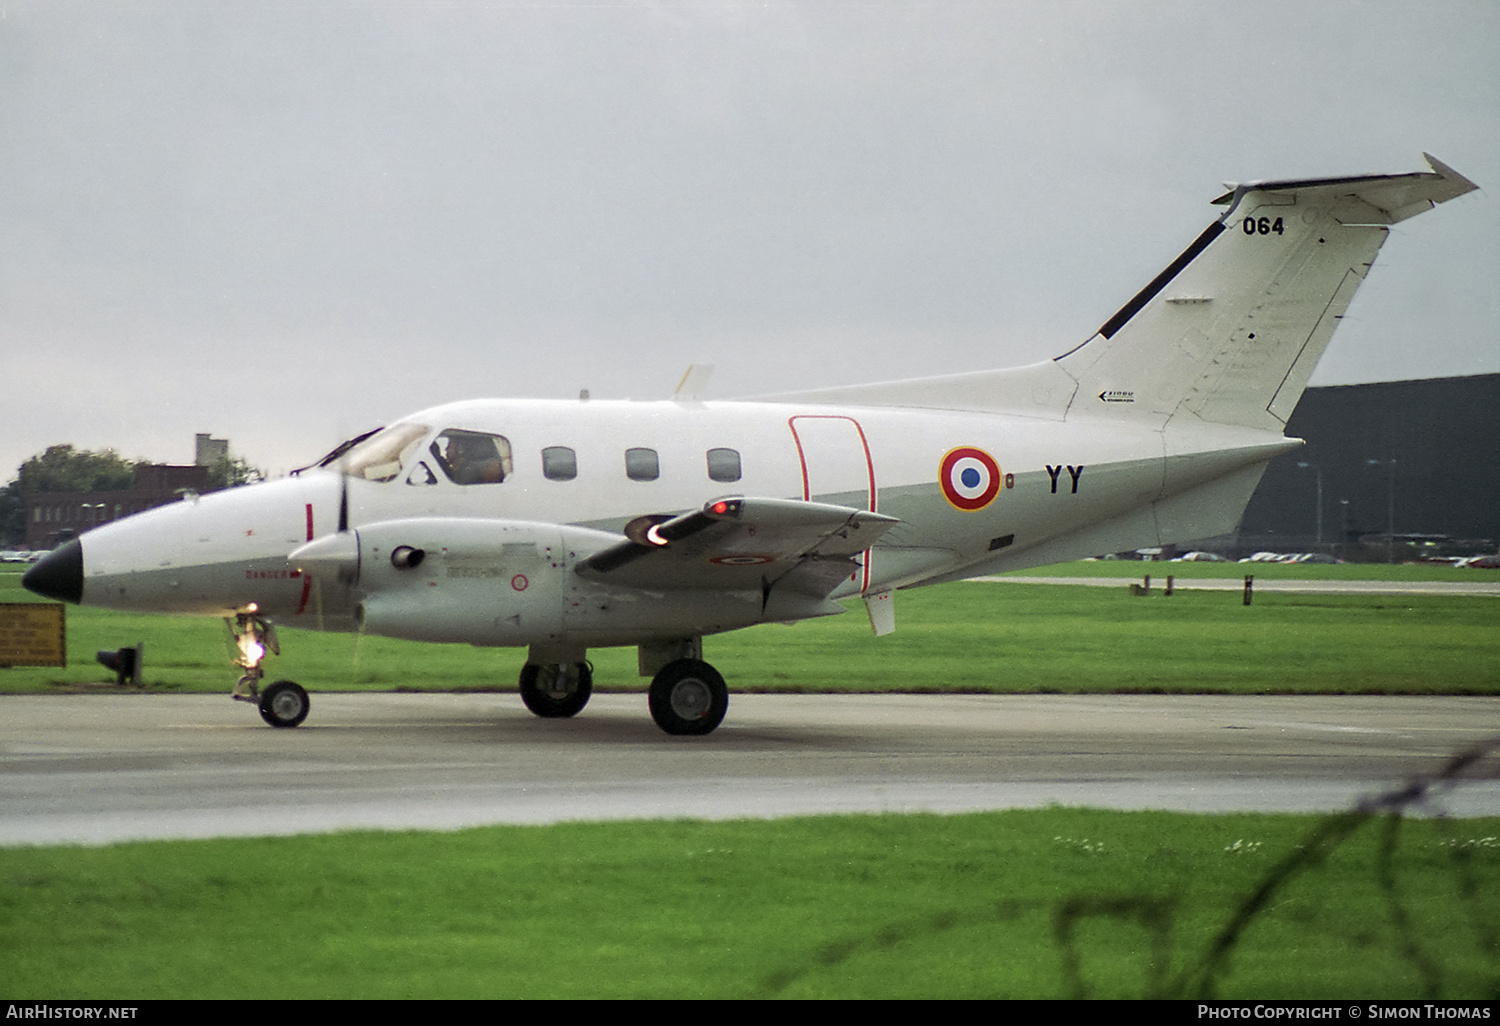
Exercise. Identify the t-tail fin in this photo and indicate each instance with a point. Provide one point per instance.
(1230, 332)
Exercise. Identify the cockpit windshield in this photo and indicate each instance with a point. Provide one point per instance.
(382, 456)
(338, 451)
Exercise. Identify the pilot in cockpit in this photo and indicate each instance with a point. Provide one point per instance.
(469, 458)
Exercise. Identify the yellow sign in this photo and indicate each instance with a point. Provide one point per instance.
(32, 634)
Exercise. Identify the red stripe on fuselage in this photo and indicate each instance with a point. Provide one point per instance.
(306, 578)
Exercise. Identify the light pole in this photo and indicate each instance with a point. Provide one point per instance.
(1390, 506)
(1318, 472)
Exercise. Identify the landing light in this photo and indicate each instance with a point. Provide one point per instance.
(251, 651)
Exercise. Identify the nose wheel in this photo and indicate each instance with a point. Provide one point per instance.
(284, 704)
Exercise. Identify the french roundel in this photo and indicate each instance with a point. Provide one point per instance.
(970, 478)
(744, 560)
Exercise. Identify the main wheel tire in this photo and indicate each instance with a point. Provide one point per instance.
(688, 697)
(547, 694)
(284, 704)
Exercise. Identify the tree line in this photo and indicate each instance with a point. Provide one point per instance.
(65, 468)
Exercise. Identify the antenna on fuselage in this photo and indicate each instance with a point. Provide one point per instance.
(694, 381)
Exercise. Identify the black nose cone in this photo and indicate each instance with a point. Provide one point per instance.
(59, 575)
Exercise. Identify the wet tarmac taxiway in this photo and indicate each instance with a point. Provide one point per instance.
(103, 768)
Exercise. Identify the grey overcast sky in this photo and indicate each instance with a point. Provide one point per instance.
(286, 222)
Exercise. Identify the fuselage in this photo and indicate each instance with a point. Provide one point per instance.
(974, 493)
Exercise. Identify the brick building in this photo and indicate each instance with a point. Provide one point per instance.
(54, 517)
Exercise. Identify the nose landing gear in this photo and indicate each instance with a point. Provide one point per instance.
(282, 704)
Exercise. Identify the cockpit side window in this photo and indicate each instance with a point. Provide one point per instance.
(381, 456)
(473, 457)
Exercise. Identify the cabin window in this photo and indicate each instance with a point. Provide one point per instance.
(724, 464)
(642, 465)
(559, 463)
(472, 457)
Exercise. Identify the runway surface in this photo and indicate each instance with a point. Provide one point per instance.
(102, 768)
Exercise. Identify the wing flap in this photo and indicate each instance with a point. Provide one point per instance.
(739, 543)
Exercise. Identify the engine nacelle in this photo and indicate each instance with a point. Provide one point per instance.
(483, 582)
(506, 583)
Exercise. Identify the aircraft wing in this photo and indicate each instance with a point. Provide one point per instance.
(742, 543)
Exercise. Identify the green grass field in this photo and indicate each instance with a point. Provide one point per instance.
(1051, 903)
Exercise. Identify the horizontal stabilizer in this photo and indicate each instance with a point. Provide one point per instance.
(1390, 199)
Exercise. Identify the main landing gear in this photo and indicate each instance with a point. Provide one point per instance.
(282, 704)
(556, 690)
(687, 697)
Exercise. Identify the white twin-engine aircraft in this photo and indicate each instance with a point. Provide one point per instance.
(563, 526)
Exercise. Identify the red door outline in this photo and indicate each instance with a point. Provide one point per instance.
(872, 496)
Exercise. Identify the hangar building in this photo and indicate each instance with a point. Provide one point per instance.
(1417, 460)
